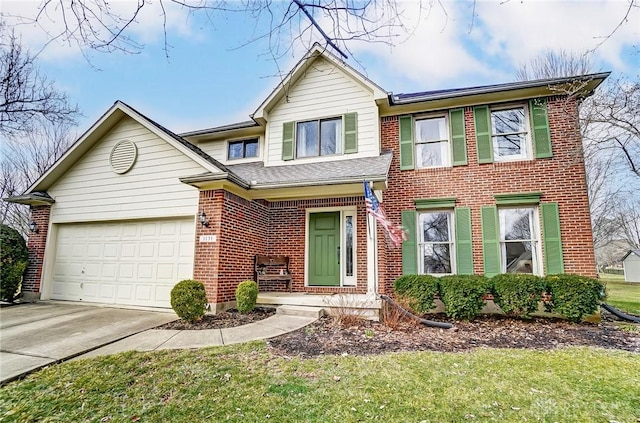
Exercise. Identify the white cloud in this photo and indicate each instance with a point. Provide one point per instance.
(449, 48)
(148, 26)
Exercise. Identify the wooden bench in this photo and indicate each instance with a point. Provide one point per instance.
(272, 269)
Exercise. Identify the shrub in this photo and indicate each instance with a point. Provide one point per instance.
(517, 294)
(574, 296)
(189, 300)
(246, 296)
(417, 291)
(14, 257)
(462, 295)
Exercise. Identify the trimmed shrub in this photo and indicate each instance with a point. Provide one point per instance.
(574, 296)
(462, 295)
(246, 296)
(517, 294)
(189, 300)
(14, 258)
(418, 291)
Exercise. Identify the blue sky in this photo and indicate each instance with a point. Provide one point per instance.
(211, 79)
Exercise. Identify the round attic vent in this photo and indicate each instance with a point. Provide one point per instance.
(123, 156)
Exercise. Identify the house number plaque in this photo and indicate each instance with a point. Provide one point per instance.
(208, 238)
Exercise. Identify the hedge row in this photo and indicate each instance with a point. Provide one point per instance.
(571, 296)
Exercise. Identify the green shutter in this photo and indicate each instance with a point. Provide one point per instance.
(406, 142)
(464, 250)
(458, 141)
(484, 145)
(551, 234)
(410, 246)
(288, 134)
(350, 133)
(490, 241)
(540, 128)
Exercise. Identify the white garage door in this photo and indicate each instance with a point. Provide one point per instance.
(132, 263)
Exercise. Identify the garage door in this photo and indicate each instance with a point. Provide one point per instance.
(129, 263)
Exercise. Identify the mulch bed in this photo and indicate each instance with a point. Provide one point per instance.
(326, 336)
(226, 319)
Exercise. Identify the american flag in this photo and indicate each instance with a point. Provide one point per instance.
(395, 232)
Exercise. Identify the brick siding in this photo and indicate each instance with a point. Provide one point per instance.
(561, 179)
(36, 244)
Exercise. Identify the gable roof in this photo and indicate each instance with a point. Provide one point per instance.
(636, 252)
(106, 122)
(316, 52)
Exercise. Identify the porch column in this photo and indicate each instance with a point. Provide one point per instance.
(207, 243)
(36, 243)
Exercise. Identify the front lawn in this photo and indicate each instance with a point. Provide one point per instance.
(249, 383)
(622, 295)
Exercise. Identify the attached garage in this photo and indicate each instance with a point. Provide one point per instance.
(125, 263)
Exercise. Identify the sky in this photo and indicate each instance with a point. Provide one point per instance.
(210, 76)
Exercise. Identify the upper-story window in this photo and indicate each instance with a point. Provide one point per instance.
(432, 142)
(242, 149)
(509, 133)
(319, 137)
(513, 131)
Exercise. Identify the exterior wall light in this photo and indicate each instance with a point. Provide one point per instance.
(202, 217)
(33, 227)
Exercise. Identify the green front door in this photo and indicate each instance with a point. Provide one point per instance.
(324, 249)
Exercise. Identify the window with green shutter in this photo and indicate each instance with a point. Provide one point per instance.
(464, 248)
(554, 262)
(490, 241)
(458, 138)
(287, 140)
(540, 128)
(406, 142)
(484, 145)
(409, 246)
(350, 133)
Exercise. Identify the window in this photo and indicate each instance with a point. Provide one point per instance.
(518, 240)
(319, 137)
(509, 133)
(243, 149)
(436, 242)
(432, 142)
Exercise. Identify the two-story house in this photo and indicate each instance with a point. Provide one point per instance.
(483, 180)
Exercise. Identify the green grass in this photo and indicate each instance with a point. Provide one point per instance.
(247, 383)
(622, 295)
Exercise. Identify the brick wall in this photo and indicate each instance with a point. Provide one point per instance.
(36, 244)
(560, 179)
(245, 228)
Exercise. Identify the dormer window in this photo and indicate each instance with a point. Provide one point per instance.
(319, 137)
(242, 149)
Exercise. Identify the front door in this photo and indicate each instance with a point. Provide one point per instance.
(324, 249)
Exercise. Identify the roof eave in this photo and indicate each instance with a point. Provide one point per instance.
(32, 199)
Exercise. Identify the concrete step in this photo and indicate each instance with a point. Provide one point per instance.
(304, 311)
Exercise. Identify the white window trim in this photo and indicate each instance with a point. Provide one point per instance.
(452, 242)
(536, 243)
(527, 147)
(446, 162)
(345, 281)
(243, 159)
(339, 148)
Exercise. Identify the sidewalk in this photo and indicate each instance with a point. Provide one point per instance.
(158, 339)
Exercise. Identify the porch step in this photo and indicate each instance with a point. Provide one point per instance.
(304, 311)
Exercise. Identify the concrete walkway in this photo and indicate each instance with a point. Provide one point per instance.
(36, 335)
(158, 339)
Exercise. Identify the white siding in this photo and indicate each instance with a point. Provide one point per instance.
(218, 150)
(324, 91)
(92, 191)
(632, 268)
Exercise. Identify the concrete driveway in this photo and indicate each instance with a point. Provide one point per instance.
(35, 335)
